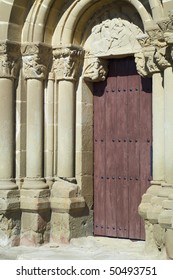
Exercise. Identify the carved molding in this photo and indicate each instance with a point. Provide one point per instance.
(67, 61)
(36, 59)
(9, 59)
(95, 70)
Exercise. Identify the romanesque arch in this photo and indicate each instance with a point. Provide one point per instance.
(48, 51)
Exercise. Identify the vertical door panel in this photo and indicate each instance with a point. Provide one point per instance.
(110, 103)
(122, 145)
(99, 160)
(133, 150)
(121, 149)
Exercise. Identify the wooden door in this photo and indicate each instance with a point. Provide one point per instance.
(122, 150)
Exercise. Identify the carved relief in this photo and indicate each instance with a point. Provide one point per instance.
(67, 62)
(141, 64)
(162, 57)
(114, 36)
(36, 58)
(96, 70)
(166, 26)
(9, 59)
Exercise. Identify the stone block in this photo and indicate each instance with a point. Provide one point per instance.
(153, 213)
(165, 219)
(64, 189)
(10, 224)
(165, 191)
(154, 189)
(35, 199)
(156, 200)
(167, 204)
(146, 198)
(9, 200)
(86, 185)
(67, 204)
(35, 228)
(169, 243)
(65, 226)
(159, 236)
(143, 209)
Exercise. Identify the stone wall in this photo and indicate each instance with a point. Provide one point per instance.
(50, 56)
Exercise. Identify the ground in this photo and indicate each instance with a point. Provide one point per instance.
(89, 248)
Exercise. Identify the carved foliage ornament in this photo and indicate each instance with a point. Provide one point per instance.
(166, 26)
(36, 58)
(9, 59)
(96, 70)
(67, 62)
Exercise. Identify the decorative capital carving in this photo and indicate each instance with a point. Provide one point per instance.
(36, 58)
(9, 59)
(146, 60)
(67, 62)
(140, 64)
(163, 57)
(166, 26)
(96, 70)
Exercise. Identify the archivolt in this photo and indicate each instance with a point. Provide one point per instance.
(57, 20)
(64, 32)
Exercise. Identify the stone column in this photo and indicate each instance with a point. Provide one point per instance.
(158, 110)
(65, 197)
(49, 129)
(35, 193)
(151, 204)
(168, 86)
(9, 193)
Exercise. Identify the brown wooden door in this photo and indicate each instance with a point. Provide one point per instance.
(122, 150)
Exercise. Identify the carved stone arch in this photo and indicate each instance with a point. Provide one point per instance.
(113, 33)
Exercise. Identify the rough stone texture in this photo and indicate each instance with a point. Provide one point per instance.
(35, 220)
(68, 212)
(169, 243)
(61, 111)
(10, 225)
(35, 228)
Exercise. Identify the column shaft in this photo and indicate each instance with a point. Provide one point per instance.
(7, 133)
(34, 128)
(168, 84)
(158, 127)
(49, 129)
(66, 129)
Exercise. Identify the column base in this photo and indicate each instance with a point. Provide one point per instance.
(35, 183)
(10, 216)
(8, 185)
(35, 220)
(156, 209)
(68, 212)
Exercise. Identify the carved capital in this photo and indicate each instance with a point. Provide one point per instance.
(145, 60)
(95, 70)
(163, 57)
(140, 64)
(67, 62)
(166, 26)
(9, 59)
(36, 58)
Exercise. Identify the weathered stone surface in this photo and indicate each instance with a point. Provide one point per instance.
(165, 219)
(35, 199)
(35, 228)
(10, 225)
(169, 243)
